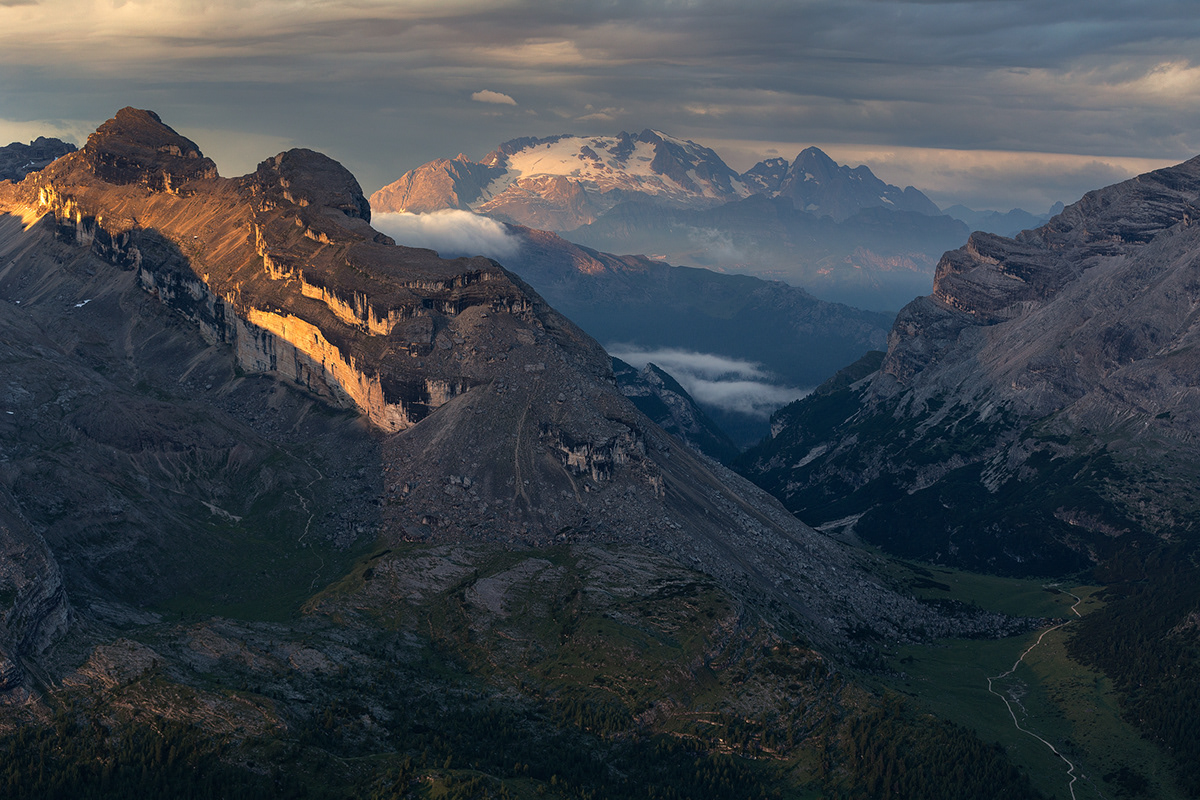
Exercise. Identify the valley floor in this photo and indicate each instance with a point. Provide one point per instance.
(1055, 699)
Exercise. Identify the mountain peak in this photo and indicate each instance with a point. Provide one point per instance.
(135, 147)
(814, 155)
(308, 178)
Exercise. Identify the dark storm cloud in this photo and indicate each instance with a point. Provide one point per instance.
(387, 86)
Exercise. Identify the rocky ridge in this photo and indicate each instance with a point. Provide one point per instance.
(1048, 384)
(660, 397)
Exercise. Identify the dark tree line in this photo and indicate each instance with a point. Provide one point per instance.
(1147, 640)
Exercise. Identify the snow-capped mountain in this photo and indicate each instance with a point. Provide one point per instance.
(563, 182)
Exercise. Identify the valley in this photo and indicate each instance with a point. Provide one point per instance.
(1051, 695)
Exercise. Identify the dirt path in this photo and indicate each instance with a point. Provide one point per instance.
(1070, 766)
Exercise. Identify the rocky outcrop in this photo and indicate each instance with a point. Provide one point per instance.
(18, 160)
(134, 147)
(33, 602)
(444, 183)
(663, 400)
(1047, 383)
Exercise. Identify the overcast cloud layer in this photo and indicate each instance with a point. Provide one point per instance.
(992, 103)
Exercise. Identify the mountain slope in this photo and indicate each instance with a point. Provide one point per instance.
(660, 397)
(1047, 386)
(338, 516)
(500, 421)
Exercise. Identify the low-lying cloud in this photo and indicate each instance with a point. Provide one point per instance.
(729, 384)
(451, 233)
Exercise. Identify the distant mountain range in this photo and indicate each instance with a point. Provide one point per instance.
(842, 233)
(1002, 223)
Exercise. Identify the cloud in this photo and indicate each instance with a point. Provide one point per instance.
(717, 245)
(451, 233)
(603, 115)
(1096, 79)
(488, 96)
(726, 383)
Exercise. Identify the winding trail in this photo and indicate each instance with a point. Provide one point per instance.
(1030, 649)
(311, 516)
(304, 502)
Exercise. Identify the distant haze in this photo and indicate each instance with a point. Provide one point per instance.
(991, 103)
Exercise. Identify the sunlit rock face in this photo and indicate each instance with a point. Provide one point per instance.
(281, 263)
(1049, 384)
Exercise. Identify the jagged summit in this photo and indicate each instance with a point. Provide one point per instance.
(136, 147)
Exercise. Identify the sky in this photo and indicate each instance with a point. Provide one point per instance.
(991, 103)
